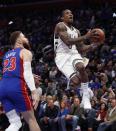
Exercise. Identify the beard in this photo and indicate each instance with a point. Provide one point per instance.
(26, 45)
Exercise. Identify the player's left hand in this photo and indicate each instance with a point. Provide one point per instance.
(92, 34)
(35, 98)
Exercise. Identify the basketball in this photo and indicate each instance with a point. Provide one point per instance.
(101, 35)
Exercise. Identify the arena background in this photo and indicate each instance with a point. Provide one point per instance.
(37, 19)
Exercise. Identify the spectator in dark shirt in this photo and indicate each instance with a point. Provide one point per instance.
(50, 116)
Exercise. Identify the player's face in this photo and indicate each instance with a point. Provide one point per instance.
(68, 16)
(24, 41)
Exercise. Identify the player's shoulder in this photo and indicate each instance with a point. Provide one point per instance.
(26, 52)
(60, 26)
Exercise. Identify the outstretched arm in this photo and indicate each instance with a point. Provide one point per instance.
(86, 48)
(83, 48)
(61, 31)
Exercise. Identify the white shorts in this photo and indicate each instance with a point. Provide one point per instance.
(66, 63)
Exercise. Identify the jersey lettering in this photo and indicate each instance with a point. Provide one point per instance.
(61, 47)
(9, 64)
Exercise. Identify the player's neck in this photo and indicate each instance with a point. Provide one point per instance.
(17, 45)
(68, 24)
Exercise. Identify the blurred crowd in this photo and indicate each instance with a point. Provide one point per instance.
(13, 2)
(60, 107)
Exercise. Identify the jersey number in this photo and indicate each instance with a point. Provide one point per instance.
(12, 64)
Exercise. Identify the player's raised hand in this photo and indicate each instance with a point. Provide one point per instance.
(92, 34)
(35, 98)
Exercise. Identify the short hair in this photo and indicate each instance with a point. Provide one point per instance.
(62, 14)
(49, 97)
(13, 37)
(63, 11)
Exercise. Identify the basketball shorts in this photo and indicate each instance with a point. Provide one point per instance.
(14, 95)
(66, 63)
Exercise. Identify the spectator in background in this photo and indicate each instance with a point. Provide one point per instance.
(111, 116)
(56, 101)
(108, 94)
(90, 116)
(94, 122)
(37, 84)
(94, 103)
(50, 89)
(45, 73)
(104, 79)
(64, 111)
(42, 106)
(77, 111)
(50, 116)
(95, 84)
(48, 98)
(66, 118)
(101, 114)
(114, 83)
(52, 73)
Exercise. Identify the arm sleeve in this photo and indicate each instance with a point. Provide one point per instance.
(28, 76)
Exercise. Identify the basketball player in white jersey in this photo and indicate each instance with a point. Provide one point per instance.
(68, 59)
